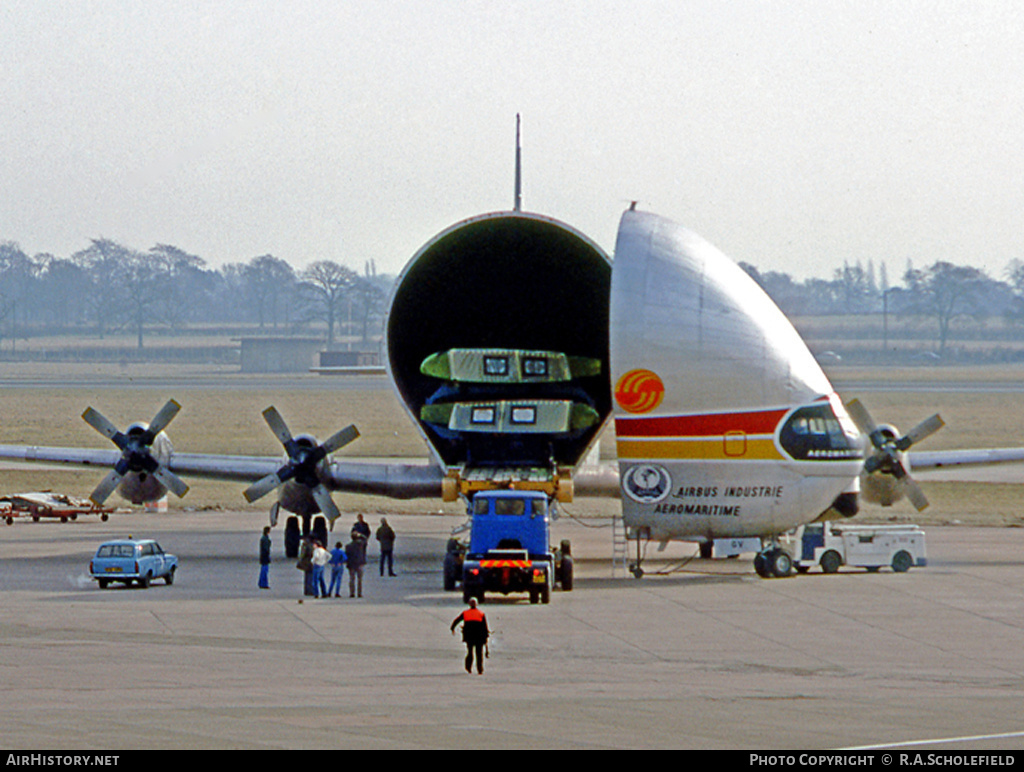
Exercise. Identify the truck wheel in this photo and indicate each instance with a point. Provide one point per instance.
(534, 597)
(901, 562)
(567, 573)
(170, 576)
(545, 594)
(449, 573)
(830, 562)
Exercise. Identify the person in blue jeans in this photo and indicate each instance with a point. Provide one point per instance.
(320, 560)
(264, 581)
(337, 565)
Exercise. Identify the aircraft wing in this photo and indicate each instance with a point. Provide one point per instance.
(72, 456)
(378, 478)
(397, 480)
(369, 477)
(937, 459)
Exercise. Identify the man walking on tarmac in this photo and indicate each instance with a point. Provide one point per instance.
(474, 635)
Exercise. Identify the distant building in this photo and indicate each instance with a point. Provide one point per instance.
(349, 363)
(279, 355)
(348, 358)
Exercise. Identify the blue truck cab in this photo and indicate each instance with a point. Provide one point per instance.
(509, 548)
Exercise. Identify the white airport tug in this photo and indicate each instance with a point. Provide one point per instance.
(831, 545)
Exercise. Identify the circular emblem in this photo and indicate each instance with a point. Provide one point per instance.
(647, 483)
(639, 391)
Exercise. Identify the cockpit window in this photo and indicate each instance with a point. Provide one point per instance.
(814, 433)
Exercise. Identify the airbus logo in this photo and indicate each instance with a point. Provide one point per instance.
(639, 391)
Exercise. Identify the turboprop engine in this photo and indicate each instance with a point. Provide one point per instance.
(140, 473)
(886, 477)
(497, 343)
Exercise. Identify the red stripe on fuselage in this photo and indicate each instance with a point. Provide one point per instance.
(712, 425)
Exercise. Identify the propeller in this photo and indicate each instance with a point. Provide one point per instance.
(888, 449)
(136, 446)
(303, 459)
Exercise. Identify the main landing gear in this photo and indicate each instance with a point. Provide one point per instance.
(773, 562)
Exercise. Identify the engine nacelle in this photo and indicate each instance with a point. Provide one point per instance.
(881, 486)
(508, 287)
(140, 486)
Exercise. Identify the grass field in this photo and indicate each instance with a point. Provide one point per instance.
(222, 415)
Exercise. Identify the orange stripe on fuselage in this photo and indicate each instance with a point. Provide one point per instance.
(705, 449)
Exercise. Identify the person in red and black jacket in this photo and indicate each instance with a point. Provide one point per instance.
(474, 634)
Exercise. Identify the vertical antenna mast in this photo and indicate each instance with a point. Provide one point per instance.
(518, 205)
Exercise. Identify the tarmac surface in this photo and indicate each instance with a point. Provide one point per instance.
(704, 655)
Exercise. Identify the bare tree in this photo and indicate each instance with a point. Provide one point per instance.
(16, 274)
(945, 291)
(268, 281)
(141, 287)
(326, 283)
(103, 261)
(182, 284)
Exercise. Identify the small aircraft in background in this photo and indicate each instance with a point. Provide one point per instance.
(46, 504)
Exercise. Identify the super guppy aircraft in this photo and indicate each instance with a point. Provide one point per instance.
(513, 341)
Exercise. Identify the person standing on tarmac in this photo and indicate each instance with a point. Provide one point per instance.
(321, 557)
(305, 565)
(361, 527)
(355, 558)
(386, 537)
(337, 564)
(264, 580)
(474, 634)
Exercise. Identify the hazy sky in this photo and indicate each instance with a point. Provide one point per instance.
(793, 135)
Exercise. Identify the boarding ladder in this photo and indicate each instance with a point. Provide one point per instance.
(620, 560)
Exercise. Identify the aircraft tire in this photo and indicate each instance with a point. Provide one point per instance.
(759, 565)
(781, 564)
(320, 529)
(291, 537)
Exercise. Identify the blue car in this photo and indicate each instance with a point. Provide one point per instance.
(132, 560)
